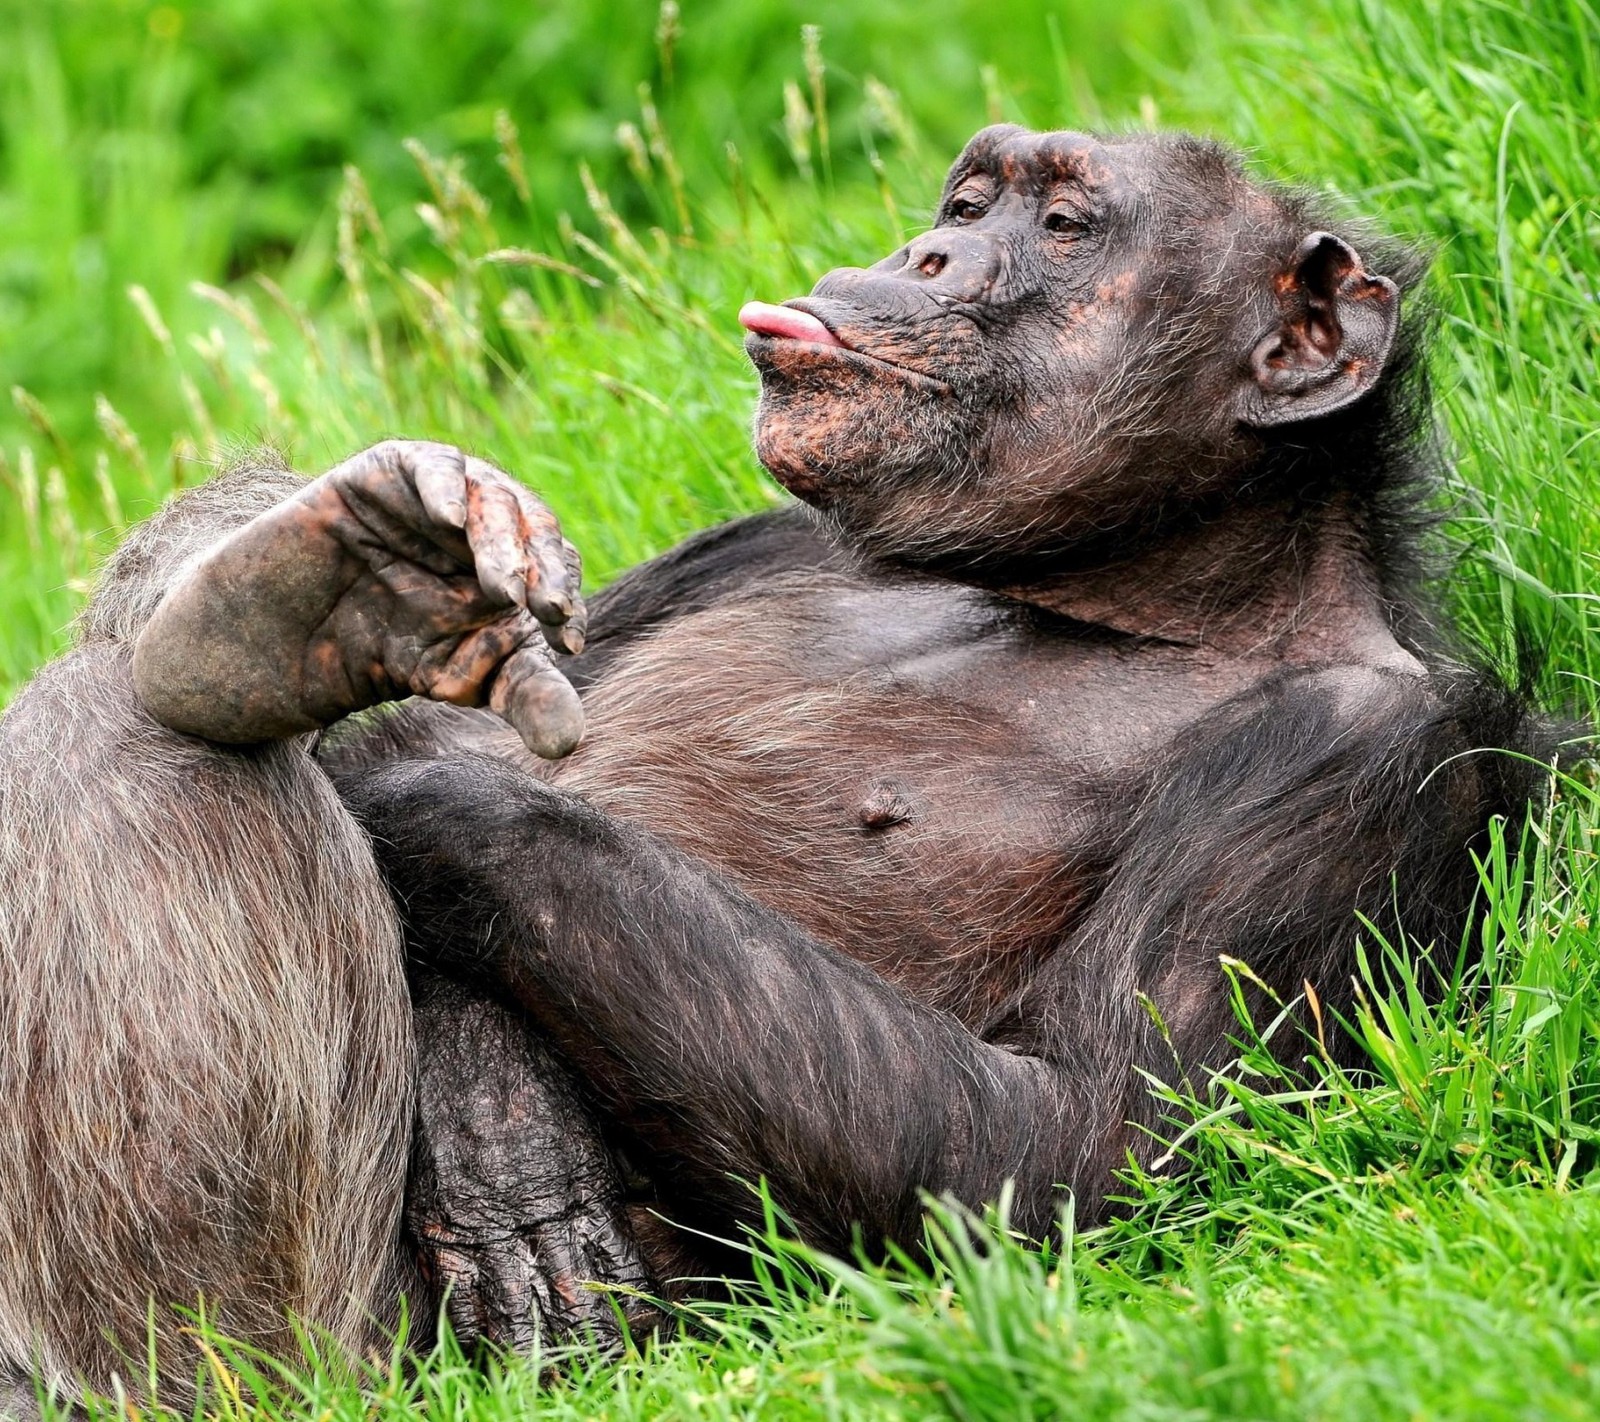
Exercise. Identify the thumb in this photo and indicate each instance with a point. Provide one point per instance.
(539, 702)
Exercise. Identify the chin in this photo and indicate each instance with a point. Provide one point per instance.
(823, 448)
(799, 452)
(831, 418)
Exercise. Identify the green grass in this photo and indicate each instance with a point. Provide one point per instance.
(1420, 1239)
(165, 143)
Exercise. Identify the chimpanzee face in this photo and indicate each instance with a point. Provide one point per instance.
(1091, 329)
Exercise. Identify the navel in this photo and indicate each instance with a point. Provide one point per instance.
(886, 803)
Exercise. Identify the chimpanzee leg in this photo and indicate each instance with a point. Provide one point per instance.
(205, 1037)
(19, 1402)
(515, 1205)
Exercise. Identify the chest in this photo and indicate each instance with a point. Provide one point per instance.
(939, 803)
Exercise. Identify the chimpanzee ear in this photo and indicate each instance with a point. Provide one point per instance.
(1337, 328)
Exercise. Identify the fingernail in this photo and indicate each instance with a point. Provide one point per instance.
(455, 513)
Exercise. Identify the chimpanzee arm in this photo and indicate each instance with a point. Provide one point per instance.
(734, 1045)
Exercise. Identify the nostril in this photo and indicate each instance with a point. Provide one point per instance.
(931, 264)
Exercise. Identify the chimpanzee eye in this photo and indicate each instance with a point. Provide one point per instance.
(1064, 224)
(967, 209)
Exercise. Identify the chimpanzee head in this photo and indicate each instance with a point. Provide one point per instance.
(1095, 333)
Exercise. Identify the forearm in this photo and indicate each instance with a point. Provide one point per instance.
(729, 1041)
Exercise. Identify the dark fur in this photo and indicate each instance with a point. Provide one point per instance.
(1094, 664)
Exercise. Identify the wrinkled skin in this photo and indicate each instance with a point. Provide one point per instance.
(515, 1206)
(1097, 662)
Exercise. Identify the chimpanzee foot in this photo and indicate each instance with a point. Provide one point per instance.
(541, 1282)
(515, 1204)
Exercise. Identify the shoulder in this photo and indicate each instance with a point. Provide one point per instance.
(1456, 736)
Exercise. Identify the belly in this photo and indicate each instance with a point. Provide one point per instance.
(934, 840)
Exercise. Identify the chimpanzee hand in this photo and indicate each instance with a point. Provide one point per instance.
(514, 1208)
(409, 570)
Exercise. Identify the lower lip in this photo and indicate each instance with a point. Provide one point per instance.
(767, 350)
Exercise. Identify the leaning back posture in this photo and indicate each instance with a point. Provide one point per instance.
(907, 824)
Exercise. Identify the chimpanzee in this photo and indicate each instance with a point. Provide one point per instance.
(907, 823)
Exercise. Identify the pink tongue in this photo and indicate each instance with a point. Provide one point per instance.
(771, 320)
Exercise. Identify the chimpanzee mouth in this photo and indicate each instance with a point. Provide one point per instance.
(770, 325)
(787, 323)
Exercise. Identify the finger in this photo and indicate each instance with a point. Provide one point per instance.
(550, 577)
(510, 1298)
(440, 474)
(462, 671)
(570, 635)
(539, 702)
(455, 1277)
(554, 591)
(619, 1282)
(566, 1280)
(399, 493)
(494, 532)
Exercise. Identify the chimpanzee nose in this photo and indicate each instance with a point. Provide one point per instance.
(927, 255)
(964, 264)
